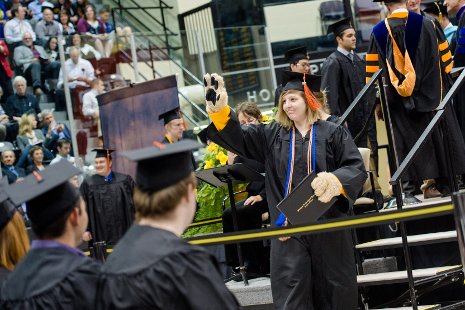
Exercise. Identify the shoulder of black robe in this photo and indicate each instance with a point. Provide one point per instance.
(3, 274)
(51, 278)
(154, 269)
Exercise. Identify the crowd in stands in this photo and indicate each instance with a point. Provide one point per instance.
(29, 56)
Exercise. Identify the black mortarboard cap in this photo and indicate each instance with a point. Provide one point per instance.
(7, 209)
(435, 7)
(48, 193)
(161, 167)
(103, 153)
(340, 26)
(293, 55)
(169, 116)
(293, 81)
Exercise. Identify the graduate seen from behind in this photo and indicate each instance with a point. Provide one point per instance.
(310, 271)
(53, 274)
(152, 267)
(108, 195)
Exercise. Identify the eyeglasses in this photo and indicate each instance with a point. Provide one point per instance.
(305, 64)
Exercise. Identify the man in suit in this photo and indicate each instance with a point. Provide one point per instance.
(13, 173)
(33, 59)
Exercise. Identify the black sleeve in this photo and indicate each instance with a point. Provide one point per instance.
(352, 173)
(330, 82)
(248, 141)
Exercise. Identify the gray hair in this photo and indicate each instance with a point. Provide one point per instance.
(46, 112)
(19, 78)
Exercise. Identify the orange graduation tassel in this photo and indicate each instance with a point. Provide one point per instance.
(311, 99)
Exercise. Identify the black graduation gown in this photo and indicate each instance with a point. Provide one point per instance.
(3, 274)
(321, 264)
(277, 93)
(109, 205)
(411, 115)
(194, 164)
(51, 278)
(343, 80)
(152, 268)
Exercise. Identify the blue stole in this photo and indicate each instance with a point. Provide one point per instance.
(412, 35)
(460, 39)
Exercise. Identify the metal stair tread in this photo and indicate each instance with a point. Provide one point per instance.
(414, 240)
(397, 276)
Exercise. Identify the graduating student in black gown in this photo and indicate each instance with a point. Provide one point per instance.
(312, 271)
(53, 274)
(108, 195)
(152, 267)
(298, 62)
(14, 242)
(343, 77)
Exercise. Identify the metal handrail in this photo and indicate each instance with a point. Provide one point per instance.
(428, 131)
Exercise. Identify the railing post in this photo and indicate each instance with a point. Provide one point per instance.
(270, 57)
(199, 43)
(458, 200)
(165, 30)
(397, 189)
(134, 58)
(69, 104)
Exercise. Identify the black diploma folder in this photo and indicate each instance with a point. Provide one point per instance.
(302, 206)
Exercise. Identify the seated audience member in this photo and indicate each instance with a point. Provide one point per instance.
(122, 33)
(51, 48)
(54, 274)
(14, 242)
(79, 6)
(85, 50)
(47, 27)
(64, 148)
(5, 72)
(89, 100)
(96, 31)
(37, 6)
(66, 6)
(80, 71)
(6, 128)
(15, 29)
(53, 130)
(12, 172)
(32, 59)
(37, 156)
(3, 19)
(174, 273)
(21, 102)
(67, 27)
(249, 212)
(28, 137)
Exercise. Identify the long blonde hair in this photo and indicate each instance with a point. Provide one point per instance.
(14, 242)
(25, 124)
(281, 116)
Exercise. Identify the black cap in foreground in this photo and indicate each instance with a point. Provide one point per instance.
(294, 81)
(7, 209)
(161, 167)
(169, 116)
(103, 153)
(293, 55)
(48, 193)
(339, 26)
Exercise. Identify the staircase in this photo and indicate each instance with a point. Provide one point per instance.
(259, 290)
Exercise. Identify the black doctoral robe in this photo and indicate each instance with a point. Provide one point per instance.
(194, 164)
(343, 80)
(51, 278)
(411, 115)
(152, 268)
(324, 263)
(109, 205)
